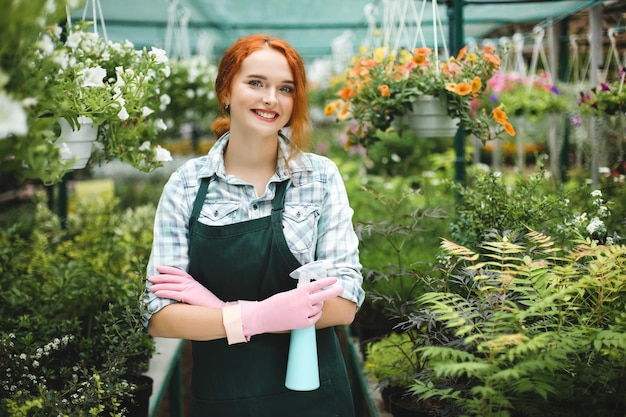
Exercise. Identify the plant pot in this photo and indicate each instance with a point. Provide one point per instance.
(138, 405)
(429, 118)
(77, 143)
(402, 404)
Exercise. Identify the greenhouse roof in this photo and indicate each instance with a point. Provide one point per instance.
(312, 26)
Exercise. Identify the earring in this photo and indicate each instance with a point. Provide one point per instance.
(226, 105)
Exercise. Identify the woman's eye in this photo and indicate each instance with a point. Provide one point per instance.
(255, 83)
(287, 89)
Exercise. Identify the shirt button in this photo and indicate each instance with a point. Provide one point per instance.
(215, 213)
(255, 206)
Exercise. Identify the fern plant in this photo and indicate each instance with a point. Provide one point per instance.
(535, 330)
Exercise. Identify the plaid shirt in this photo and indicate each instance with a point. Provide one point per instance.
(317, 219)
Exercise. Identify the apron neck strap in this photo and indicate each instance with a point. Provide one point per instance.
(278, 204)
(199, 201)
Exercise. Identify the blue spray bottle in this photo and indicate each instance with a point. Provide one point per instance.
(302, 364)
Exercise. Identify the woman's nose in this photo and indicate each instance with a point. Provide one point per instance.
(270, 96)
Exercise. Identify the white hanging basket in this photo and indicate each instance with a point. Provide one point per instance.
(429, 118)
(77, 143)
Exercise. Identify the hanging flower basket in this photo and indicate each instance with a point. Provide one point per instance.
(77, 143)
(429, 118)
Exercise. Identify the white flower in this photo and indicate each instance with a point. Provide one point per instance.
(123, 113)
(595, 225)
(145, 146)
(12, 117)
(160, 124)
(159, 54)
(146, 111)
(61, 58)
(74, 39)
(162, 155)
(596, 193)
(190, 93)
(165, 100)
(93, 77)
(29, 101)
(46, 45)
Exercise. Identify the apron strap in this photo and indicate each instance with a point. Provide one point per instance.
(278, 205)
(199, 201)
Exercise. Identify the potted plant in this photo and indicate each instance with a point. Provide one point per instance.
(111, 83)
(382, 86)
(75, 76)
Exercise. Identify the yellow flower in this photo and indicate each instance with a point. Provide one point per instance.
(330, 108)
(451, 87)
(344, 111)
(379, 55)
(476, 85)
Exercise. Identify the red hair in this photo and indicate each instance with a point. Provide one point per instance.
(229, 66)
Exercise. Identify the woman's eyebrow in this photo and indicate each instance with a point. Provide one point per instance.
(263, 77)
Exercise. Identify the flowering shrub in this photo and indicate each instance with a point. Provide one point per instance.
(382, 84)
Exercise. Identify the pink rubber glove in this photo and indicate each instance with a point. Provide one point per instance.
(294, 309)
(178, 285)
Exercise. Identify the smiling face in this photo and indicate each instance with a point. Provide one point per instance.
(261, 98)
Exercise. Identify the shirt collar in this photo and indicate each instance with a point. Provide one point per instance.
(215, 160)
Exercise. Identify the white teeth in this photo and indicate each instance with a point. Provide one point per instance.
(266, 115)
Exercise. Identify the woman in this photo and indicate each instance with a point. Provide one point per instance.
(233, 225)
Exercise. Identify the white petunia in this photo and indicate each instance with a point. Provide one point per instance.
(162, 155)
(159, 54)
(12, 117)
(145, 146)
(93, 77)
(74, 39)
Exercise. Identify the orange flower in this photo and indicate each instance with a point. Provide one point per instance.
(423, 51)
(463, 89)
(499, 116)
(508, 128)
(420, 60)
(462, 53)
(494, 60)
(384, 90)
(346, 93)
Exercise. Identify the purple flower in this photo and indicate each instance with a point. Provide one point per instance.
(605, 87)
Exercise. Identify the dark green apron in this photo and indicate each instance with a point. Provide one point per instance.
(251, 261)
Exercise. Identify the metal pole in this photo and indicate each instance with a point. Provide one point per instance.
(455, 27)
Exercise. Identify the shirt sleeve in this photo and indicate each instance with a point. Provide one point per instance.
(337, 240)
(170, 242)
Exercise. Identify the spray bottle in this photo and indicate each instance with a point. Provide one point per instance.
(302, 364)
